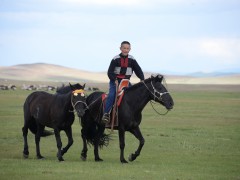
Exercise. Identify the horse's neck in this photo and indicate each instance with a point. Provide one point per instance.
(64, 90)
(138, 98)
(66, 100)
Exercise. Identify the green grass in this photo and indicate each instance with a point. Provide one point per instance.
(198, 139)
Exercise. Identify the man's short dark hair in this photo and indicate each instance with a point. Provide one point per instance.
(125, 42)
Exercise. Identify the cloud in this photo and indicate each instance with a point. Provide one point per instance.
(147, 3)
(188, 54)
(105, 2)
(179, 35)
(133, 4)
(226, 50)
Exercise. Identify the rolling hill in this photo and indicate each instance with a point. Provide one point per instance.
(56, 73)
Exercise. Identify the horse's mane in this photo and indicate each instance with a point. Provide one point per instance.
(66, 89)
(63, 89)
(139, 84)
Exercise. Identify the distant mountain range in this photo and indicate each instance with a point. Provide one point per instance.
(56, 73)
(224, 72)
(212, 74)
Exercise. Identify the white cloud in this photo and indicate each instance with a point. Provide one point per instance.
(106, 2)
(133, 3)
(188, 54)
(226, 50)
(146, 3)
(159, 40)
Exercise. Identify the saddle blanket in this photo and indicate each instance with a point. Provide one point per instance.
(123, 84)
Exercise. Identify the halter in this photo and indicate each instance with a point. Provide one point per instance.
(75, 93)
(155, 91)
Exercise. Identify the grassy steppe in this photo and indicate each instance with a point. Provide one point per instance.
(198, 139)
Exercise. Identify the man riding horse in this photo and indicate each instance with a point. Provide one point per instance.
(121, 67)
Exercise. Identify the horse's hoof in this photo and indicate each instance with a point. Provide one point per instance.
(40, 157)
(83, 158)
(60, 159)
(98, 160)
(124, 161)
(131, 157)
(25, 156)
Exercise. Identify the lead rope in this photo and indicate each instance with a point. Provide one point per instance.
(157, 111)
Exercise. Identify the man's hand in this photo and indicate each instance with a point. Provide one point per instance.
(116, 82)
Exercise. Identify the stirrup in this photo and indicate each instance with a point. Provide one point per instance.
(106, 118)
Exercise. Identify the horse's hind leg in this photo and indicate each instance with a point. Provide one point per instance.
(25, 129)
(40, 129)
(70, 140)
(137, 133)
(121, 134)
(59, 144)
(27, 120)
(25, 133)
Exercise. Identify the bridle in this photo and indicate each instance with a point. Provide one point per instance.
(155, 91)
(77, 102)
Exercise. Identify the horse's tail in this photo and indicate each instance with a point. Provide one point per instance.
(90, 131)
(104, 140)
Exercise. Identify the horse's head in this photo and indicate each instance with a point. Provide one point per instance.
(78, 100)
(159, 92)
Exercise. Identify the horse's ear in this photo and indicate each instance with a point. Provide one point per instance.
(71, 86)
(153, 76)
(157, 77)
(160, 77)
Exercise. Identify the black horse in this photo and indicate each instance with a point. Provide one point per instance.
(129, 115)
(55, 111)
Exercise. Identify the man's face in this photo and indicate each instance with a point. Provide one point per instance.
(125, 48)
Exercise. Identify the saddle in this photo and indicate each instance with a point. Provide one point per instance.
(123, 84)
(120, 93)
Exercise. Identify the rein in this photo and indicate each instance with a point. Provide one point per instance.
(162, 114)
(155, 97)
(99, 110)
(94, 102)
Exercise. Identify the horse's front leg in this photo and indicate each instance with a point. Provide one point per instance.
(121, 134)
(85, 149)
(137, 133)
(68, 132)
(59, 144)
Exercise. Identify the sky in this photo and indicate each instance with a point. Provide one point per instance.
(166, 36)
